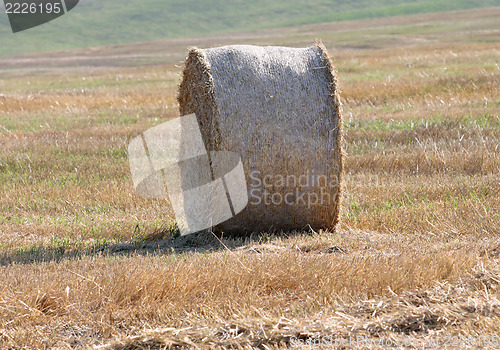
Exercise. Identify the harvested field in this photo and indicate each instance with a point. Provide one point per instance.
(86, 262)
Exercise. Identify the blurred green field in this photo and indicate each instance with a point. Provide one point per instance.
(94, 23)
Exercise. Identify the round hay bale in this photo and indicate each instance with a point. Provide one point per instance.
(279, 109)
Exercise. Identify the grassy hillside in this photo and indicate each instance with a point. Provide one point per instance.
(95, 23)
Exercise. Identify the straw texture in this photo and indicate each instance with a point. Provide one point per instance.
(279, 109)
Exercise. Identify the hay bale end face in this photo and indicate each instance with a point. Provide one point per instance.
(279, 109)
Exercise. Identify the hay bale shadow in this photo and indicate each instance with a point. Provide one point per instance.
(162, 241)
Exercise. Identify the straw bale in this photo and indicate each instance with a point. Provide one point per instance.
(279, 109)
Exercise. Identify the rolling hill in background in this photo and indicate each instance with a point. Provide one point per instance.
(96, 23)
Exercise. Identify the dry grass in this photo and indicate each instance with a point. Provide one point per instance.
(86, 262)
(415, 319)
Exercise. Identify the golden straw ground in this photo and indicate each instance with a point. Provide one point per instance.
(416, 253)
